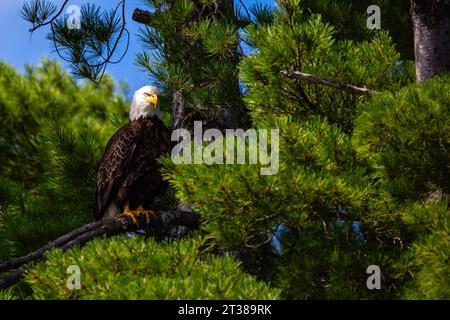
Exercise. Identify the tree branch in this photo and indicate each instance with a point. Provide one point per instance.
(315, 79)
(142, 16)
(86, 65)
(122, 29)
(246, 10)
(159, 222)
(44, 23)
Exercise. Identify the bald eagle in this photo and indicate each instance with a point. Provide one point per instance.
(128, 177)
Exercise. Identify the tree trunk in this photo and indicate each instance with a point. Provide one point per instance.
(431, 22)
(178, 108)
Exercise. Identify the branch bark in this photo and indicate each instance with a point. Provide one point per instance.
(142, 16)
(178, 110)
(160, 222)
(329, 83)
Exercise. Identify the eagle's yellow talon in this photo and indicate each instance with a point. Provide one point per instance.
(134, 214)
(130, 213)
(146, 213)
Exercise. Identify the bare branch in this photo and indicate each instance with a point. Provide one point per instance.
(12, 278)
(336, 85)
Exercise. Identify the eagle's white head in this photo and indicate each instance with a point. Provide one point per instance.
(145, 103)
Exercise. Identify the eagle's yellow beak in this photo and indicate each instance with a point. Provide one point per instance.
(153, 99)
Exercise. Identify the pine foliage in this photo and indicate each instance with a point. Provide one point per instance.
(192, 47)
(406, 135)
(53, 132)
(138, 268)
(335, 206)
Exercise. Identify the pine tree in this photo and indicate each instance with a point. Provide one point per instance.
(71, 124)
(190, 51)
(337, 204)
(74, 153)
(405, 136)
(52, 135)
(349, 19)
(195, 59)
(362, 177)
(137, 268)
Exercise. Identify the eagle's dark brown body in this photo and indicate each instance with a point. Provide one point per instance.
(128, 172)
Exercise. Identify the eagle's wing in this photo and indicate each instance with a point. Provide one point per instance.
(113, 166)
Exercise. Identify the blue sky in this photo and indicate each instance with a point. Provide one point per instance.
(18, 47)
